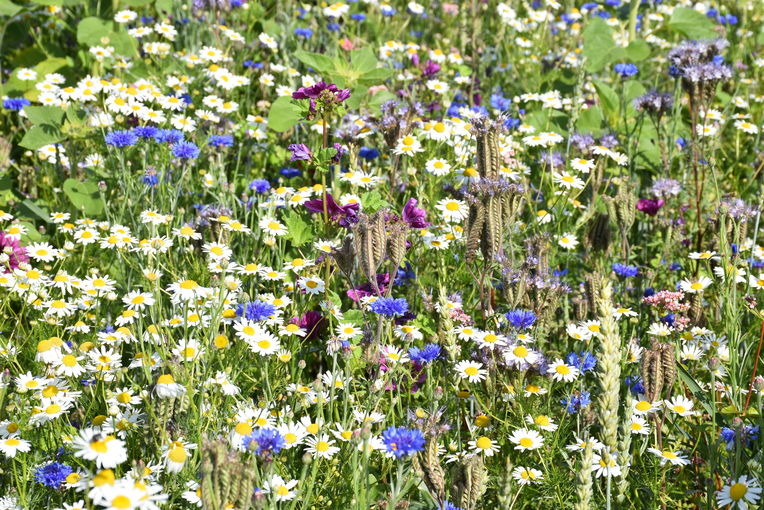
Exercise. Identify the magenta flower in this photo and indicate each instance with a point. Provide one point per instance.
(16, 253)
(315, 91)
(413, 215)
(345, 215)
(649, 206)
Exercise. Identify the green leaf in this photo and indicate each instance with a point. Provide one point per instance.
(375, 76)
(300, 231)
(40, 136)
(164, 6)
(51, 65)
(363, 60)
(284, 114)
(372, 201)
(45, 115)
(356, 97)
(29, 209)
(692, 24)
(694, 388)
(353, 316)
(637, 50)
(598, 45)
(84, 196)
(320, 63)
(590, 120)
(123, 44)
(8, 8)
(379, 99)
(134, 3)
(608, 97)
(91, 30)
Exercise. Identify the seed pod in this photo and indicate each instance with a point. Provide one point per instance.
(345, 256)
(599, 233)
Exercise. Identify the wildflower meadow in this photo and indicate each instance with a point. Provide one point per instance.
(381, 254)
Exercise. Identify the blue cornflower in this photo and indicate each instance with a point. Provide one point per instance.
(358, 17)
(185, 150)
(53, 475)
(333, 27)
(255, 310)
(747, 434)
(404, 275)
(15, 103)
(402, 442)
(625, 270)
(368, 153)
(260, 185)
(303, 32)
(290, 172)
(584, 361)
(426, 354)
(390, 307)
(520, 319)
(150, 177)
(121, 138)
(576, 401)
(220, 141)
(635, 385)
(145, 131)
(448, 506)
(266, 442)
(625, 70)
(169, 136)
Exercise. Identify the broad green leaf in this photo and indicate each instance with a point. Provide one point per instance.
(284, 114)
(356, 97)
(608, 97)
(590, 121)
(163, 6)
(51, 65)
(300, 231)
(631, 90)
(45, 115)
(363, 60)
(40, 136)
(123, 44)
(84, 196)
(91, 30)
(320, 63)
(379, 99)
(134, 3)
(598, 45)
(8, 8)
(375, 76)
(691, 24)
(637, 50)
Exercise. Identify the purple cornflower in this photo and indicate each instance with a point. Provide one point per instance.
(402, 442)
(390, 307)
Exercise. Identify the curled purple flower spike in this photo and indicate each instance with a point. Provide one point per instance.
(345, 215)
(413, 215)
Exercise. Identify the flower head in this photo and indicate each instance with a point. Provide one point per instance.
(402, 442)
